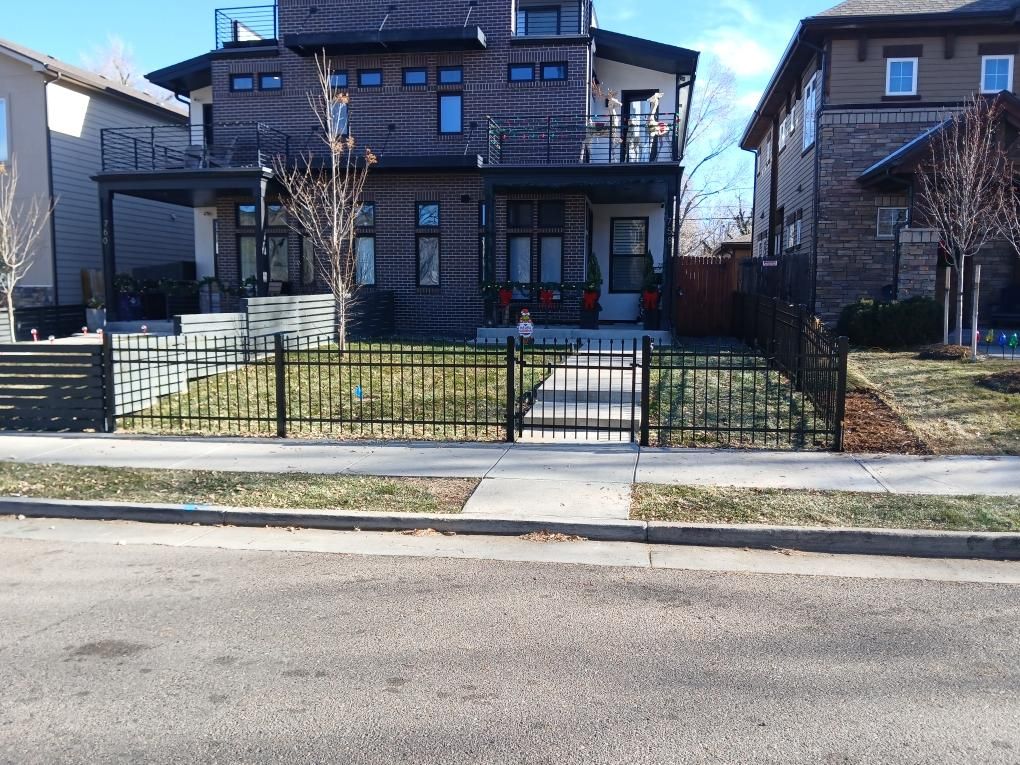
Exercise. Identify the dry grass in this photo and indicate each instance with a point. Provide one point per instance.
(783, 507)
(269, 490)
(941, 401)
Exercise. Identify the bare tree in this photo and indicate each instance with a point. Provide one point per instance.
(322, 194)
(115, 61)
(712, 129)
(22, 223)
(962, 187)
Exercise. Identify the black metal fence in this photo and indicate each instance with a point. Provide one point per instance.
(780, 384)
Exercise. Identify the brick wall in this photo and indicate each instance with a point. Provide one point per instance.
(919, 257)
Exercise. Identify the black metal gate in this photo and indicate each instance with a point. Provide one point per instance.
(578, 390)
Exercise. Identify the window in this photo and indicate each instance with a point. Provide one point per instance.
(308, 265)
(276, 248)
(783, 131)
(538, 21)
(550, 259)
(416, 77)
(766, 151)
(810, 112)
(428, 215)
(341, 112)
(366, 215)
(519, 263)
(277, 215)
(521, 73)
(365, 246)
(272, 81)
(428, 261)
(338, 80)
(628, 247)
(369, 78)
(240, 82)
(554, 71)
(451, 112)
(518, 214)
(888, 219)
(996, 74)
(246, 215)
(5, 149)
(901, 77)
(451, 75)
(799, 228)
(551, 214)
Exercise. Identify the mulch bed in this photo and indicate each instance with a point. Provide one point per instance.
(1002, 382)
(941, 352)
(872, 426)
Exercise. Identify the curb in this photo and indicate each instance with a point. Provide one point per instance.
(844, 541)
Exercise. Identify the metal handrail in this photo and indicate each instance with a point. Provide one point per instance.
(246, 25)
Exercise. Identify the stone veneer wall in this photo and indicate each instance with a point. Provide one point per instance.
(919, 258)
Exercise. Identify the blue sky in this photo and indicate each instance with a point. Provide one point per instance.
(746, 36)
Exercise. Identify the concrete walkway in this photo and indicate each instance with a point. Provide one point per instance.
(575, 481)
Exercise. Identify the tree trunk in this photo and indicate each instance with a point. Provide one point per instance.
(10, 316)
(947, 288)
(959, 308)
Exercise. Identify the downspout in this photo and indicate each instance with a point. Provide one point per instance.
(49, 180)
(816, 202)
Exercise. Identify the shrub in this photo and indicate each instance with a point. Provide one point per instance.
(891, 325)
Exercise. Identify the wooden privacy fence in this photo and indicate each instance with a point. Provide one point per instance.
(46, 387)
(704, 302)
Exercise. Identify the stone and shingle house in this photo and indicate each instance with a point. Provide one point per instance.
(514, 138)
(840, 131)
(52, 116)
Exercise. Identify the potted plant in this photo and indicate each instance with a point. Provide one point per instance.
(95, 315)
(129, 303)
(590, 294)
(651, 296)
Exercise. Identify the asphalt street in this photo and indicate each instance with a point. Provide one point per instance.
(171, 655)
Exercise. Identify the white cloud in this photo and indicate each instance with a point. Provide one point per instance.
(744, 55)
(749, 99)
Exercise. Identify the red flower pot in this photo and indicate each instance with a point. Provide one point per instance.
(505, 296)
(546, 297)
(590, 301)
(650, 300)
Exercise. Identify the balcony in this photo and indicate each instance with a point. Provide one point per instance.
(596, 140)
(543, 19)
(245, 27)
(192, 147)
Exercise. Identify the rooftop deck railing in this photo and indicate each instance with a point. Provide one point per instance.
(236, 27)
(542, 18)
(184, 147)
(572, 140)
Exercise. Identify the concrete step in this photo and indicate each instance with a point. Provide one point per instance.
(595, 416)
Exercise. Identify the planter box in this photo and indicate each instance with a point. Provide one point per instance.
(589, 319)
(653, 319)
(95, 319)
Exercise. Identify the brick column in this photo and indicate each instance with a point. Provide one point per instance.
(919, 257)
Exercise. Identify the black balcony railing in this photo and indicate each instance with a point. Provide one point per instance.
(182, 147)
(251, 25)
(593, 140)
(541, 18)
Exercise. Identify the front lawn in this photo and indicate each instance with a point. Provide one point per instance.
(941, 402)
(285, 491)
(785, 507)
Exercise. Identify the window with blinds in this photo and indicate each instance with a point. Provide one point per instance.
(628, 248)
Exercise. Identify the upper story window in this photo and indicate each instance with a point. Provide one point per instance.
(451, 112)
(996, 73)
(810, 112)
(783, 131)
(341, 116)
(271, 81)
(551, 214)
(451, 75)
(554, 71)
(366, 215)
(369, 78)
(519, 214)
(889, 218)
(428, 215)
(901, 77)
(416, 77)
(521, 73)
(338, 80)
(241, 82)
(5, 149)
(539, 21)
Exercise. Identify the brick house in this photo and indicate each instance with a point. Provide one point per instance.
(501, 156)
(840, 132)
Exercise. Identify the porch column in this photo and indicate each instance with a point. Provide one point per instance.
(668, 255)
(261, 253)
(489, 264)
(106, 197)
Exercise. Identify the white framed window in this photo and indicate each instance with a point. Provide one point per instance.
(791, 120)
(901, 77)
(996, 73)
(783, 131)
(888, 219)
(810, 112)
(5, 148)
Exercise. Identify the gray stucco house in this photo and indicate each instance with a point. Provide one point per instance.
(51, 117)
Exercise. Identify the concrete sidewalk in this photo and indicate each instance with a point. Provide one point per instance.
(595, 476)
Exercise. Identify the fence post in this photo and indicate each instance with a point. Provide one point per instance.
(109, 386)
(798, 369)
(842, 345)
(646, 392)
(511, 393)
(279, 360)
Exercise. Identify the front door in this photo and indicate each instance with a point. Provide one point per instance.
(637, 137)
